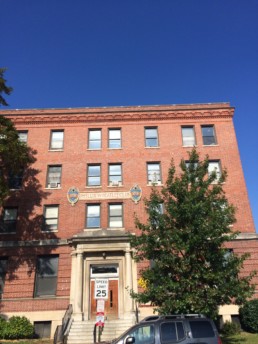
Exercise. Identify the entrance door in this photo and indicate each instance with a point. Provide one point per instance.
(111, 303)
(109, 272)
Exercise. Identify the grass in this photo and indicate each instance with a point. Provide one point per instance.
(242, 338)
(27, 341)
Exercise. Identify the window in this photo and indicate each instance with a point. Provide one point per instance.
(50, 217)
(93, 175)
(42, 329)
(3, 269)
(9, 220)
(93, 216)
(115, 174)
(214, 166)
(172, 332)
(15, 180)
(201, 329)
(114, 138)
(151, 137)
(115, 215)
(208, 135)
(54, 176)
(23, 136)
(94, 139)
(153, 170)
(188, 136)
(57, 140)
(143, 334)
(46, 276)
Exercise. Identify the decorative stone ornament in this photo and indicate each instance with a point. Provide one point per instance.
(73, 195)
(136, 193)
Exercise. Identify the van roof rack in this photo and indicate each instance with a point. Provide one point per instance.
(172, 316)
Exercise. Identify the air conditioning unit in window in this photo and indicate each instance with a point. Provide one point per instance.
(155, 182)
(115, 183)
(53, 185)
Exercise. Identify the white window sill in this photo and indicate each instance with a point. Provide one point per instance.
(115, 186)
(115, 228)
(192, 146)
(155, 184)
(56, 150)
(93, 187)
(150, 147)
(120, 148)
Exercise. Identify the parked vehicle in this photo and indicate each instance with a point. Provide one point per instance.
(168, 329)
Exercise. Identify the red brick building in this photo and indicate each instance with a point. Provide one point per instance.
(66, 223)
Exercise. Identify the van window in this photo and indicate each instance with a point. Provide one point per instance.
(201, 329)
(172, 331)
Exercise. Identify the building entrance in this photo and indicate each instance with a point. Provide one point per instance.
(110, 273)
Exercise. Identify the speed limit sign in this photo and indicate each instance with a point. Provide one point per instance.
(101, 288)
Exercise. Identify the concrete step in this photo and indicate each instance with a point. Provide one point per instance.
(81, 332)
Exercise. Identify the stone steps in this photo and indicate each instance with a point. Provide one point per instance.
(82, 332)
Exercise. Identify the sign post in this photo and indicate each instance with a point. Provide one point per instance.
(100, 294)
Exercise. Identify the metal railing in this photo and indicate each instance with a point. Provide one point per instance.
(62, 331)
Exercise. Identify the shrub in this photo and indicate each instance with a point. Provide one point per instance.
(249, 316)
(230, 328)
(2, 327)
(18, 328)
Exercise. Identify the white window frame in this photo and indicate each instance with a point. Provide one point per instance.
(114, 140)
(216, 166)
(95, 215)
(93, 141)
(150, 137)
(56, 140)
(51, 222)
(54, 181)
(154, 174)
(188, 136)
(23, 136)
(115, 221)
(114, 179)
(91, 176)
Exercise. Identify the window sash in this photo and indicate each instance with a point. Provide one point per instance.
(51, 218)
(115, 173)
(57, 140)
(54, 174)
(151, 137)
(114, 138)
(46, 276)
(208, 135)
(94, 139)
(10, 214)
(154, 174)
(214, 166)
(93, 175)
(188, 136)
(93, 216)
(23, 136)
(115, 215)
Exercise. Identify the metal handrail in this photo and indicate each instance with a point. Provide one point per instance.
(62, 331)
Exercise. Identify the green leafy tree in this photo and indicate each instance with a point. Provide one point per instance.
(3, 87)
(190, 270)
(15, 156)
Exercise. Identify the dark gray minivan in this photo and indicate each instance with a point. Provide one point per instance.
(166, 329)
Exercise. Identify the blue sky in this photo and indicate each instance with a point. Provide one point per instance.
(76, 53)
